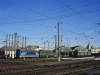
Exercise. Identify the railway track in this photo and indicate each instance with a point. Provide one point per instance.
(57, 68)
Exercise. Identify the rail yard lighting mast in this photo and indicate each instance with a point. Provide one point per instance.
(58, 41)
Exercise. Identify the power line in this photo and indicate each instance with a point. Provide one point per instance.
(64, 6)
(25, 8)
(68, 15)
(25, 30)
(43, 11)
(45, 19)
(75, 11)
(37, 13)
(62, 11)
(75, 8)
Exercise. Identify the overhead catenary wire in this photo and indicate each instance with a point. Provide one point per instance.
(19, 22)
(93, 27)
(35, 33)
(76, 11)
(37, 13)
(62, 16)
(64, 6)
(75, 8)
(27, 8)
(38, 21)
(43, 11)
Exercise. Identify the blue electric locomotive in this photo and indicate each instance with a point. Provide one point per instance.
(26, 54)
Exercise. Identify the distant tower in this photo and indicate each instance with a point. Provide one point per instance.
(89, 46)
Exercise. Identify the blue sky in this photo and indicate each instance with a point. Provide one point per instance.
(36, 20)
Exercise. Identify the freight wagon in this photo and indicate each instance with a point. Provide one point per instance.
(34, 54)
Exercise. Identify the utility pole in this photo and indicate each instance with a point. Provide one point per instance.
(48, 45)
(9, 45)
(44, 44)
(25, 42)
(6, 43)
(22, 42)
(58, 42)
(18, 42)
(55, 43)
(15, 36)
(61, 42)
(12, 47)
